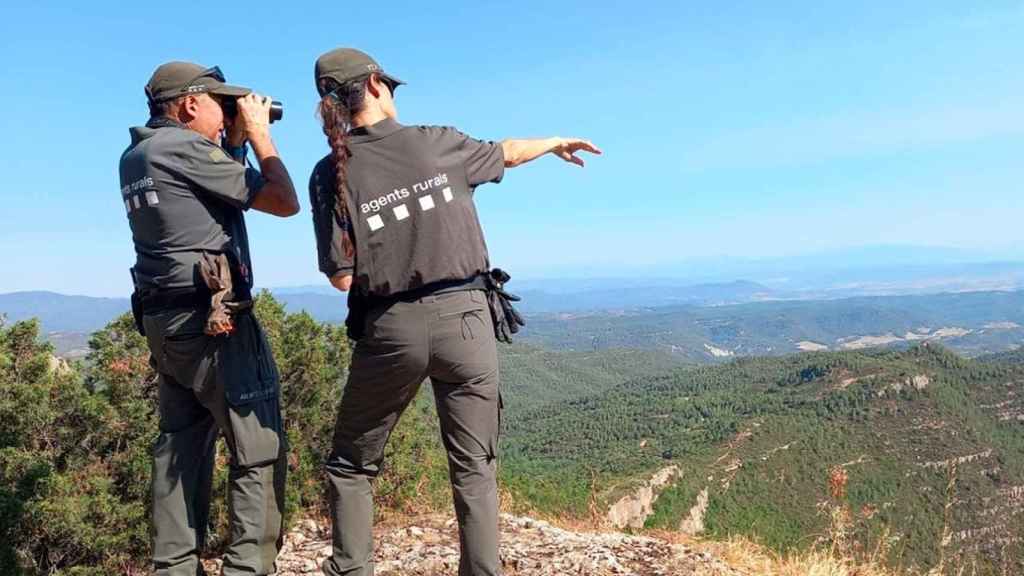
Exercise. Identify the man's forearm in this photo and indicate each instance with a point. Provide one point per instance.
(278, 193)
(521, 151)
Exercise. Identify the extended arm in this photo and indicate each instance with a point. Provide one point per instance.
(519, 152)
(277, 196)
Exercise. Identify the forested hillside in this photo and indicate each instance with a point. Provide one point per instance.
(1015, 356)
(758, 440)
(532, 376)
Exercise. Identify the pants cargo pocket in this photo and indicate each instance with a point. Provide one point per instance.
(251, 384)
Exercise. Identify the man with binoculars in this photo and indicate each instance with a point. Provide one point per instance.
(185, 186)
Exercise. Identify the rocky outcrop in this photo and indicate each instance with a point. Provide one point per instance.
(923, 334)
(718, 352)
(918, 382)
(429, 546)
(693, 524)
(809, 346)
(633, 510)
(59, 366)
(939, 464)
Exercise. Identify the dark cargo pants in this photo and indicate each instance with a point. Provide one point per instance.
(450, 339)
(209, 385)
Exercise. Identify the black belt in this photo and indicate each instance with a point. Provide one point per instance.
(156, 301)
(476, 282)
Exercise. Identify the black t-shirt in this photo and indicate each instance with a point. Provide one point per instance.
(412, 216)
(184, 196)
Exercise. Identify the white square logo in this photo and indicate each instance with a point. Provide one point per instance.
(401, 212)
(447, 194)
(151, 198)
(426, 202)
(375, 222)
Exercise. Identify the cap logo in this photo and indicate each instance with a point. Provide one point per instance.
(196, 88)
(372, 67)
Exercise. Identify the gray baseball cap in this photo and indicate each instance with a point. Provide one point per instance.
(175, 79)
(344, 64)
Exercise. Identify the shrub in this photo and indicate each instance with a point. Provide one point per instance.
(75, 443)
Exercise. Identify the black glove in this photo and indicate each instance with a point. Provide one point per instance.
(137, 305)
(506, 319)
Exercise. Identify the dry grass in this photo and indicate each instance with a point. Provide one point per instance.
(750, 558)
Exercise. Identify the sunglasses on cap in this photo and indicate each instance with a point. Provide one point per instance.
(213, 72)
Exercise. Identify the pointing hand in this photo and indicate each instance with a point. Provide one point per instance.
(566, 149)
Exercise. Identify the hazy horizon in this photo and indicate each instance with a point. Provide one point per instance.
(810, 270)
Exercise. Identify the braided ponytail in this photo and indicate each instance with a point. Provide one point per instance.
(336, 110)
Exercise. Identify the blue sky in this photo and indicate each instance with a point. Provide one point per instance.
(741, 130)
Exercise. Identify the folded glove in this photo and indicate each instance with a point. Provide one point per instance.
(507, 320)
(215, 271)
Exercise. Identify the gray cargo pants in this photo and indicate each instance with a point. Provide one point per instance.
(450, 339)
(210, 385)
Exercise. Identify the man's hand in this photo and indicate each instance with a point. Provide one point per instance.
(277, 196)
(566, 149)
(253, 118)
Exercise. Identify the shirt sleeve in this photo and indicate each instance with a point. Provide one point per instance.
(329, 226)
(209, 168)
(484, 161)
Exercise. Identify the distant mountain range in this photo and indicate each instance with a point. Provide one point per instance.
(972, 323)
(61, 312)
(701, 323)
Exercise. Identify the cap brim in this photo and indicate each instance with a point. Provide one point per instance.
(392, 78)
(229, 90)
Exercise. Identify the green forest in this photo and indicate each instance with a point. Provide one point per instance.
(914, 430)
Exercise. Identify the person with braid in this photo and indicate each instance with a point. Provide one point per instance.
(397, 228)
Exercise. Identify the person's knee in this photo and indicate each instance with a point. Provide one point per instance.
(341, 463)
(472, 474)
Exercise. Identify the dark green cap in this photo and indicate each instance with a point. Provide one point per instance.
(344, 64)
(175, 79)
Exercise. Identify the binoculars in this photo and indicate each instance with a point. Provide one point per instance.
(230, 107)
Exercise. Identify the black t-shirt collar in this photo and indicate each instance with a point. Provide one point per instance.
(385, 127)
